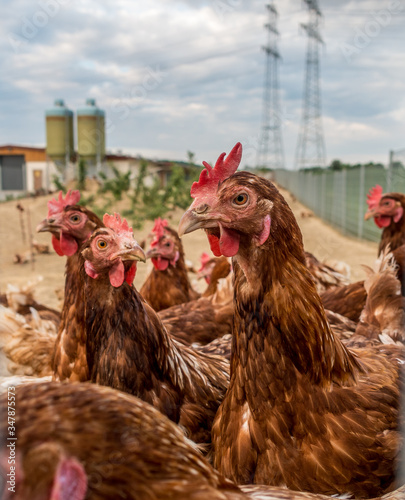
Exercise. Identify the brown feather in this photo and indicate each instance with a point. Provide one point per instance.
(69, 360)
(125, 448)
(128, 348)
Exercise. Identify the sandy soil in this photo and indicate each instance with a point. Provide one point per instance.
(319, 238)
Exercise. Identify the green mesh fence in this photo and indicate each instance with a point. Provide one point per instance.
(339, 197)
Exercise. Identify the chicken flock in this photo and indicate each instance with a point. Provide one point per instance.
(282, 380)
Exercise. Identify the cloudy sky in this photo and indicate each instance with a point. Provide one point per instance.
(176, 76)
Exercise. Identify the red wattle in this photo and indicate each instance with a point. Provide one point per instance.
(68, 244)
(382, 221)
(117, 274)
(160, 263)
(214, 245)
(130, 274)
(56, 246)
(229, 241)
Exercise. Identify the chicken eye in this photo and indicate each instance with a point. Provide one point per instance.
(167, 244)
(102, 244)
(241, 199)
(75, 218)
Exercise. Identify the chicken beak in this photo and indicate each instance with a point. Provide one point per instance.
(195, 219)
(46, 225)
(131, 251)
(370, 213)
(152, 252)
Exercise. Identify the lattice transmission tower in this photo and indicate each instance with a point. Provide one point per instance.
(270, 150)
(310, 150)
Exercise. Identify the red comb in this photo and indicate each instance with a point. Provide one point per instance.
(158, 230)
(115, 223)
(210, 177)
(57, 205)
(374, 196)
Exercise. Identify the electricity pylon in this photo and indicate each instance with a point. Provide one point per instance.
(270, 151)
(310, 150)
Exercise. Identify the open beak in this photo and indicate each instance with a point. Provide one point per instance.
(370, 213)
(45, 226)
(50, 224)
(131, 251)
(151, 253)
(192, 220)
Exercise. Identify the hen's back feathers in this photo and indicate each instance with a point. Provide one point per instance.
(384, 311)
(26, 343)
(78, 441)
(325, 276)
(203, 320)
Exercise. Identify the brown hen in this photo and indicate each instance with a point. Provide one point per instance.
(301, 410)
(70, 225)
(167, 284)
(349, 300)
(128, 347)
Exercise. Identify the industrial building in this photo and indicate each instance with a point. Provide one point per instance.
(26, 169)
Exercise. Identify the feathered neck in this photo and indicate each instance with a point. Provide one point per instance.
(126, 339)
(278, 308)
(394, 235)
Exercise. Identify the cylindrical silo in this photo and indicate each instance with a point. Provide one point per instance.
(59, 132)
(91, 133)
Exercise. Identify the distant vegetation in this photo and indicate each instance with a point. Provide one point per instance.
(339, 165)
(135, 199)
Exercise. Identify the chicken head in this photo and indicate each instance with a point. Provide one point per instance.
(385, 208)
(69, 223)
(164, 249)
(113, 250)
(227, 208)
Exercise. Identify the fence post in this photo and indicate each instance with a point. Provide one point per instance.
(344, 200)
(361, 198)
(323, 194)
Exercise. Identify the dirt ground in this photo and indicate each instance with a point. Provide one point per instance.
(319, 238)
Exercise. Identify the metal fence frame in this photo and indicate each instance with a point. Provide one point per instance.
(339, 196)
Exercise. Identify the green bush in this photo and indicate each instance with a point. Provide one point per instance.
(146, 202)
(81, 174)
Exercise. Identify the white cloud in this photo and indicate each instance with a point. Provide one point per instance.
(208, 87)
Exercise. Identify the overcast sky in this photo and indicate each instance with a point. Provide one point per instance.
(175, 76)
